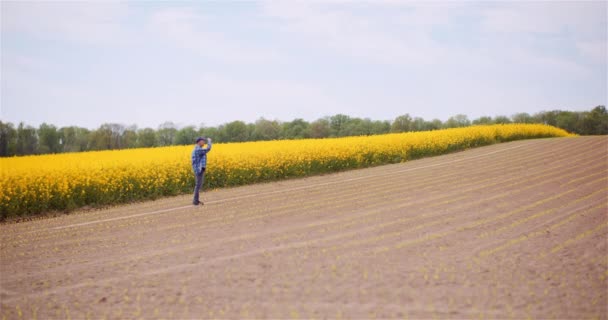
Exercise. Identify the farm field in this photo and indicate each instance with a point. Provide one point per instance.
(513, 230)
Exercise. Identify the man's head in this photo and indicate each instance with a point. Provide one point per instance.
(201, 141)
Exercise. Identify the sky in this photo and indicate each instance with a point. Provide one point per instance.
(208, 63)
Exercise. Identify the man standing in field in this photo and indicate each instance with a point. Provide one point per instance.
(199, 164)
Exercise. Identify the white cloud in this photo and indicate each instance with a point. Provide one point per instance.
(404, 37)
(582, 18)
(192, 30)
(576, 26)
(425, 15)
(92, 23)
(594, 51)
(352, 35)
(25, 62)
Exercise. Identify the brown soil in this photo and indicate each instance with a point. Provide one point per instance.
(516, 230)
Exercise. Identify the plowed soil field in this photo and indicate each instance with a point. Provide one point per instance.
(516, 230)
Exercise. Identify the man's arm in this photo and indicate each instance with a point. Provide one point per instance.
(208, 145)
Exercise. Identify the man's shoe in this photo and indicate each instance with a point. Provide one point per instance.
(196, 203)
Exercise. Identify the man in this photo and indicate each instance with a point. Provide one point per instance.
(199, 164)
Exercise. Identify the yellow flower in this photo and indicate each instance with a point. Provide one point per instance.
(35, 184)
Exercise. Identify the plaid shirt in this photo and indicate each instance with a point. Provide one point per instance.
(199, 158)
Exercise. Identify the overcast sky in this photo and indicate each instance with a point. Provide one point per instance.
(145, 63)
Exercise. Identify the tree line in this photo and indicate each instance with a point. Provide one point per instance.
(26, 140)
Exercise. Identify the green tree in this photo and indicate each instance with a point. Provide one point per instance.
(356, 127)
(569, 121)
(211, 132)
(74, 139)
(418, 124)
(8, 139)
(117, 133)
(595, 122)
(337, 124)
(146, 138)
(166, 134)
(236, 131)
(320, 128)
(522, 118)
(186, 135)
(67, 135)
(381, 127)
(101, 139)
(502, 120)
(250, 130)
(402, 123)
(266, 130)
(363, 127)
(296, 129)
(107, 137)
(129, 137)
(27, 140)
(457, 121)
(48, 139)
(483, 121)
(547, 117)
(434, 124)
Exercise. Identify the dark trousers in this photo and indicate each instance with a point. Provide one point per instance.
(200, 178)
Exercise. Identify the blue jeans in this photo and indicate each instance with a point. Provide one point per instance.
(200, 178)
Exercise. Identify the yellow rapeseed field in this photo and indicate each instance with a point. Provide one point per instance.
(34, 184)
